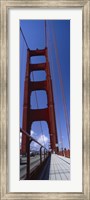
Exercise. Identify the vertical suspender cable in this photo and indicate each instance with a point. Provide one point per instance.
(53, 78)
(38, 108)
(61, 140)
(61, 85)
(45, 34)
(47, 41)
(21, 59)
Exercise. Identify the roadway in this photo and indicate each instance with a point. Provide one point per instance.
(34, 162)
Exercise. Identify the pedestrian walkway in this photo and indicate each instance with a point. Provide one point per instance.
(59, 168)
(65, 159)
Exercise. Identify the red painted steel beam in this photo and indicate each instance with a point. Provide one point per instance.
(38, 115)
(38, 85)
(35, 67)
(37, 52)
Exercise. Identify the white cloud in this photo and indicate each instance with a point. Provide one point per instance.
(20, 135)
(43, 139)
(32, 133)
(20, 138)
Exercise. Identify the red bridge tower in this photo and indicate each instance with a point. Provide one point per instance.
(47, 114)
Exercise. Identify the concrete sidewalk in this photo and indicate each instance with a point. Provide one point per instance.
(59, 168)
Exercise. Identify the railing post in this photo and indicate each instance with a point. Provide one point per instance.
(28, 159)
(40, 154)
(44, 154)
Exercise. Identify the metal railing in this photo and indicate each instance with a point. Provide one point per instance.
(29, 140)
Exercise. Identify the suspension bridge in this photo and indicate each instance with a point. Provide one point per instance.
(50, 162)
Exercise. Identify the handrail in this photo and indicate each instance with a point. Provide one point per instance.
(30, 137)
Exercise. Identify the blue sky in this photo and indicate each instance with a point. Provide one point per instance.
(34, 31)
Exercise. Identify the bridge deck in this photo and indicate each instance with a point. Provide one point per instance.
(59, 168)
(56, 168)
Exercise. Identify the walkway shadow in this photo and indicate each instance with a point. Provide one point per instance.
(44, 174)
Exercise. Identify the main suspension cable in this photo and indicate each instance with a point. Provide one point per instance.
(33, 80)
(24, 38)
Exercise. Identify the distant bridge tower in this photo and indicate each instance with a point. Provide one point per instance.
(47, 114)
